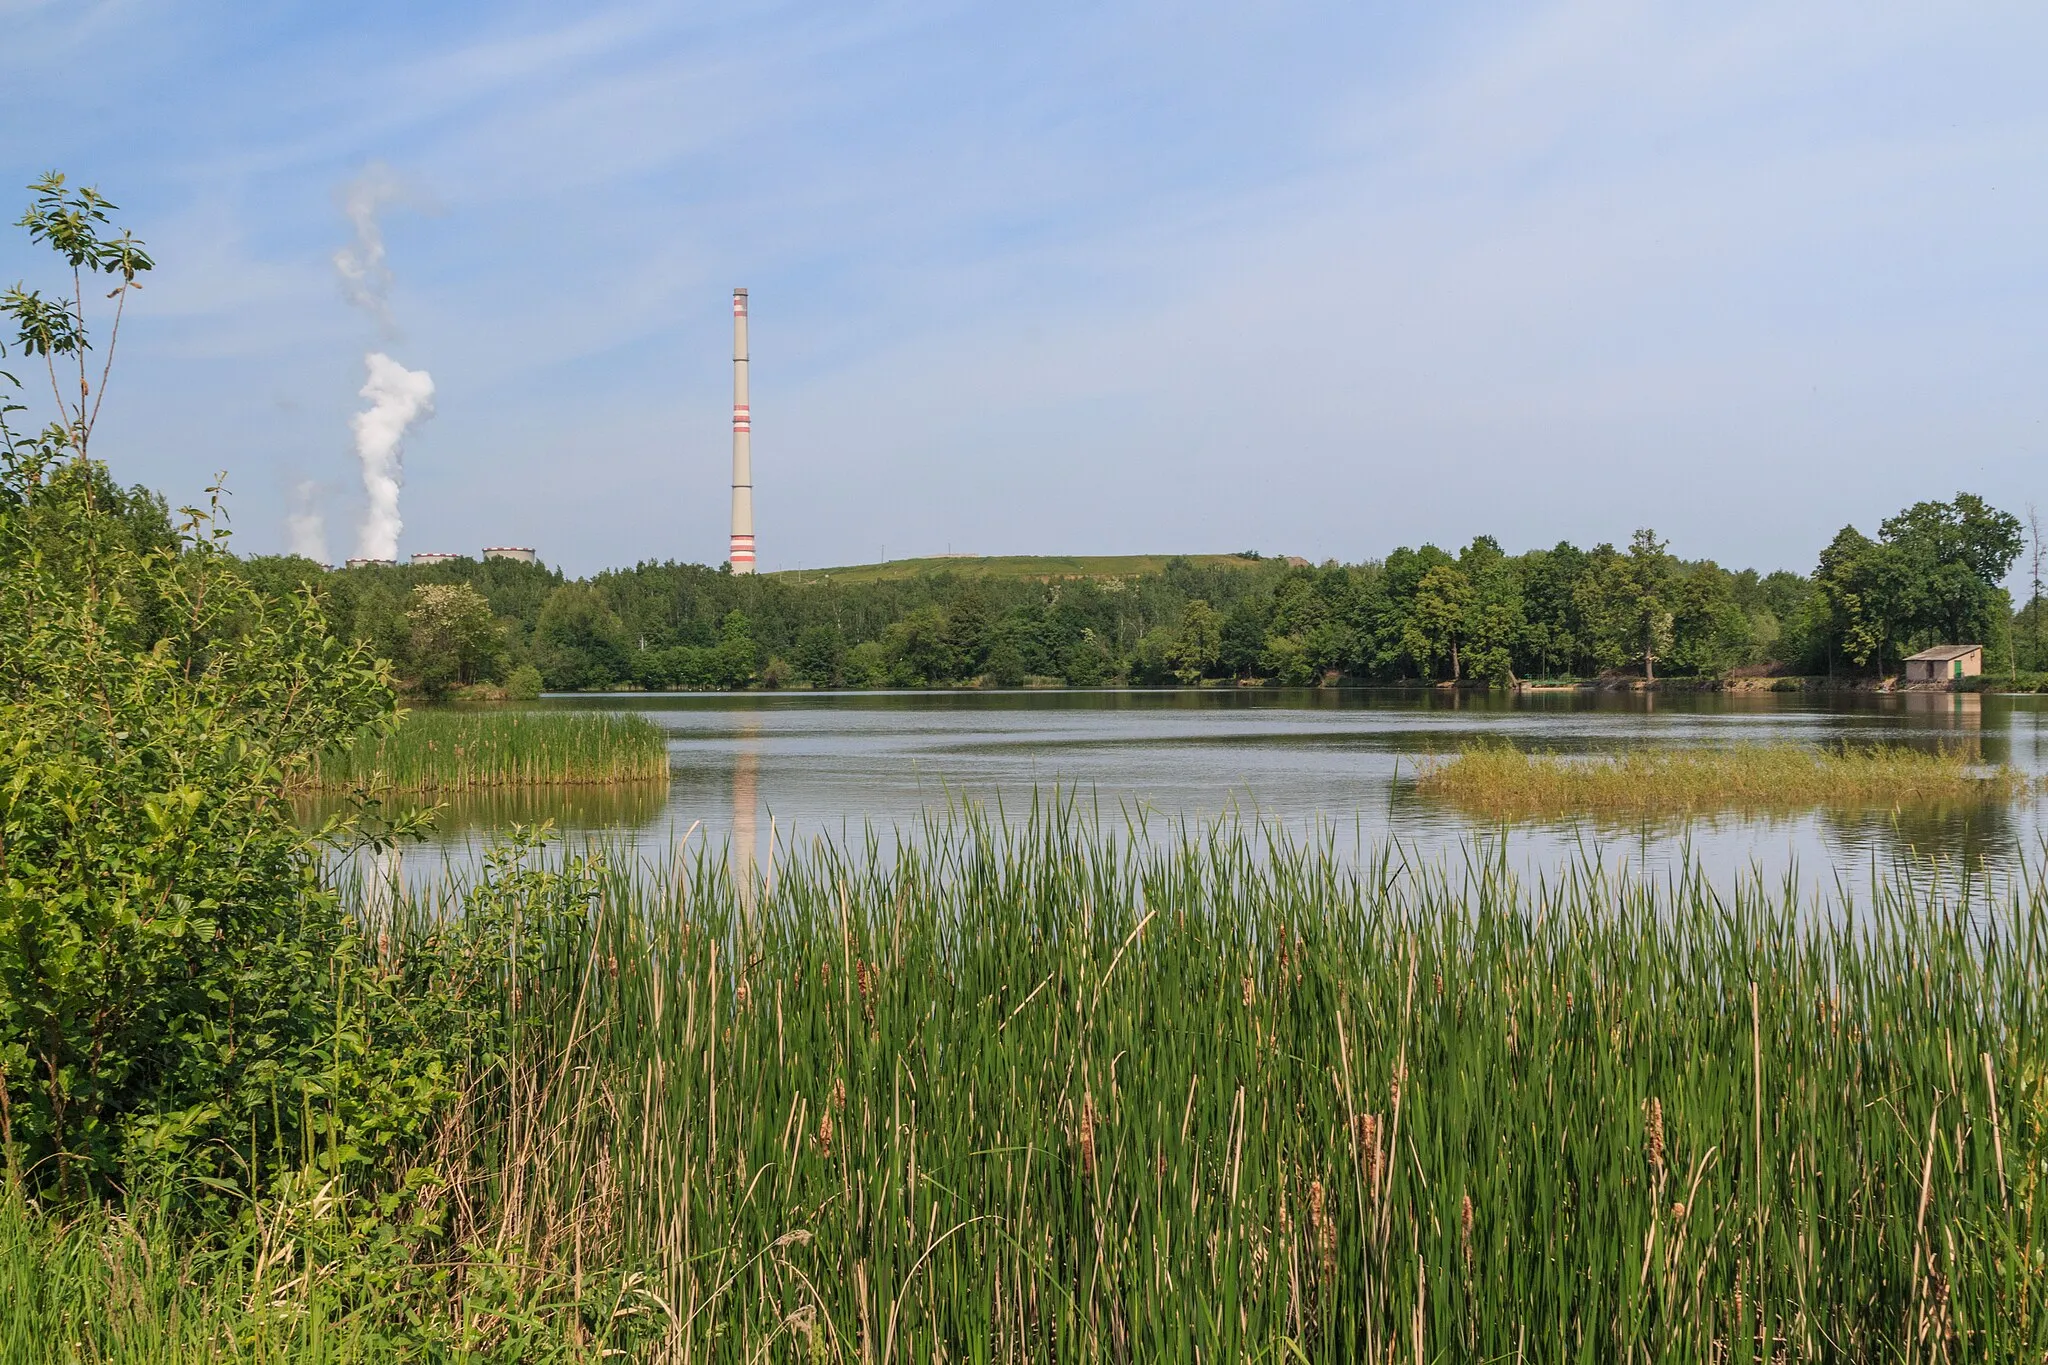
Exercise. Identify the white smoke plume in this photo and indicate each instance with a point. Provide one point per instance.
(398, 397)
(365, 277)
(306, 526)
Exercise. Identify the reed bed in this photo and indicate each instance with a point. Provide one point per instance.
(1500, 781)
(459, 751)
(1051, 1091)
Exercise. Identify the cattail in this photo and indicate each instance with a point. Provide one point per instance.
(1677, 1211)
(825, 972)
(1465, 1230)
(1087, 1135)
(839, 1093)
(1323, 1226)
(1654, 1125)
(1394, 1091)
(1160, 1164)
(1247, 992)
(825, 1134)
(1368, 1136)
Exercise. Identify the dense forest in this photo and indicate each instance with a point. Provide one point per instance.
(1479, 616)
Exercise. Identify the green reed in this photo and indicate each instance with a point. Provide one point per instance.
(454, 751)
(1049, 1090)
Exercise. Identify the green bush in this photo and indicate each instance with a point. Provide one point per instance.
(162, 923)
(524, 684)
(183, 1000)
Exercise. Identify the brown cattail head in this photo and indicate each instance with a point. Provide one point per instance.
(1368, 1139)
(1248, 993)
(1322, 1226)
(1087, 1135)
(1653, 1127)
(1465, 1229)
(825, 1133)
(839, 1093)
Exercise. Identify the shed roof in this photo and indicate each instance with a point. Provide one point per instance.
(1941, 654)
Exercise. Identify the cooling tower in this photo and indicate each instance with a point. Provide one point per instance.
(742, 552)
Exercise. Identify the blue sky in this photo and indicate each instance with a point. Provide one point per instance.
(1314, 279)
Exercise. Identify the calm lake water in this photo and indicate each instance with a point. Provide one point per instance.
(806, 764)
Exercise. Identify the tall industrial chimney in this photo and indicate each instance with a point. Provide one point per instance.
(742, 554)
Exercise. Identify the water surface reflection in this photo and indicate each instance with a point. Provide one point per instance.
(751, 770)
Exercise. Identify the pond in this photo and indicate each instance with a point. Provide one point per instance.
(755, 770)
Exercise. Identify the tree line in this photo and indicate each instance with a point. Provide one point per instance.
(1476, 616)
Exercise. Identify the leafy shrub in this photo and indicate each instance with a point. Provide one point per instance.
(524, 684)
(161, 915)
(174, 972)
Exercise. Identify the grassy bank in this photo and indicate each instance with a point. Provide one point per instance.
(1051, 1094)
(453, 751)
(1500, 781)
(1015, 566)
(2005, 682)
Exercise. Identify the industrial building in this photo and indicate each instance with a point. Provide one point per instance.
(434, 556)
(522, 553)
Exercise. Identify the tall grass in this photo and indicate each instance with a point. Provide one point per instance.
(454, 751)
(1501, 781)
(1052, 1091)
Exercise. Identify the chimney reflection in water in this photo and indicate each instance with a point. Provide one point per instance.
(740, 853)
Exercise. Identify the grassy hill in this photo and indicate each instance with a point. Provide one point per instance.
(1015, 566)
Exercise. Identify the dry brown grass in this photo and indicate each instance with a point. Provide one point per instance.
(1501, 781)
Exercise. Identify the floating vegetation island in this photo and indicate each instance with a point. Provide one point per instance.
(457, 751)
(1503, 782)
